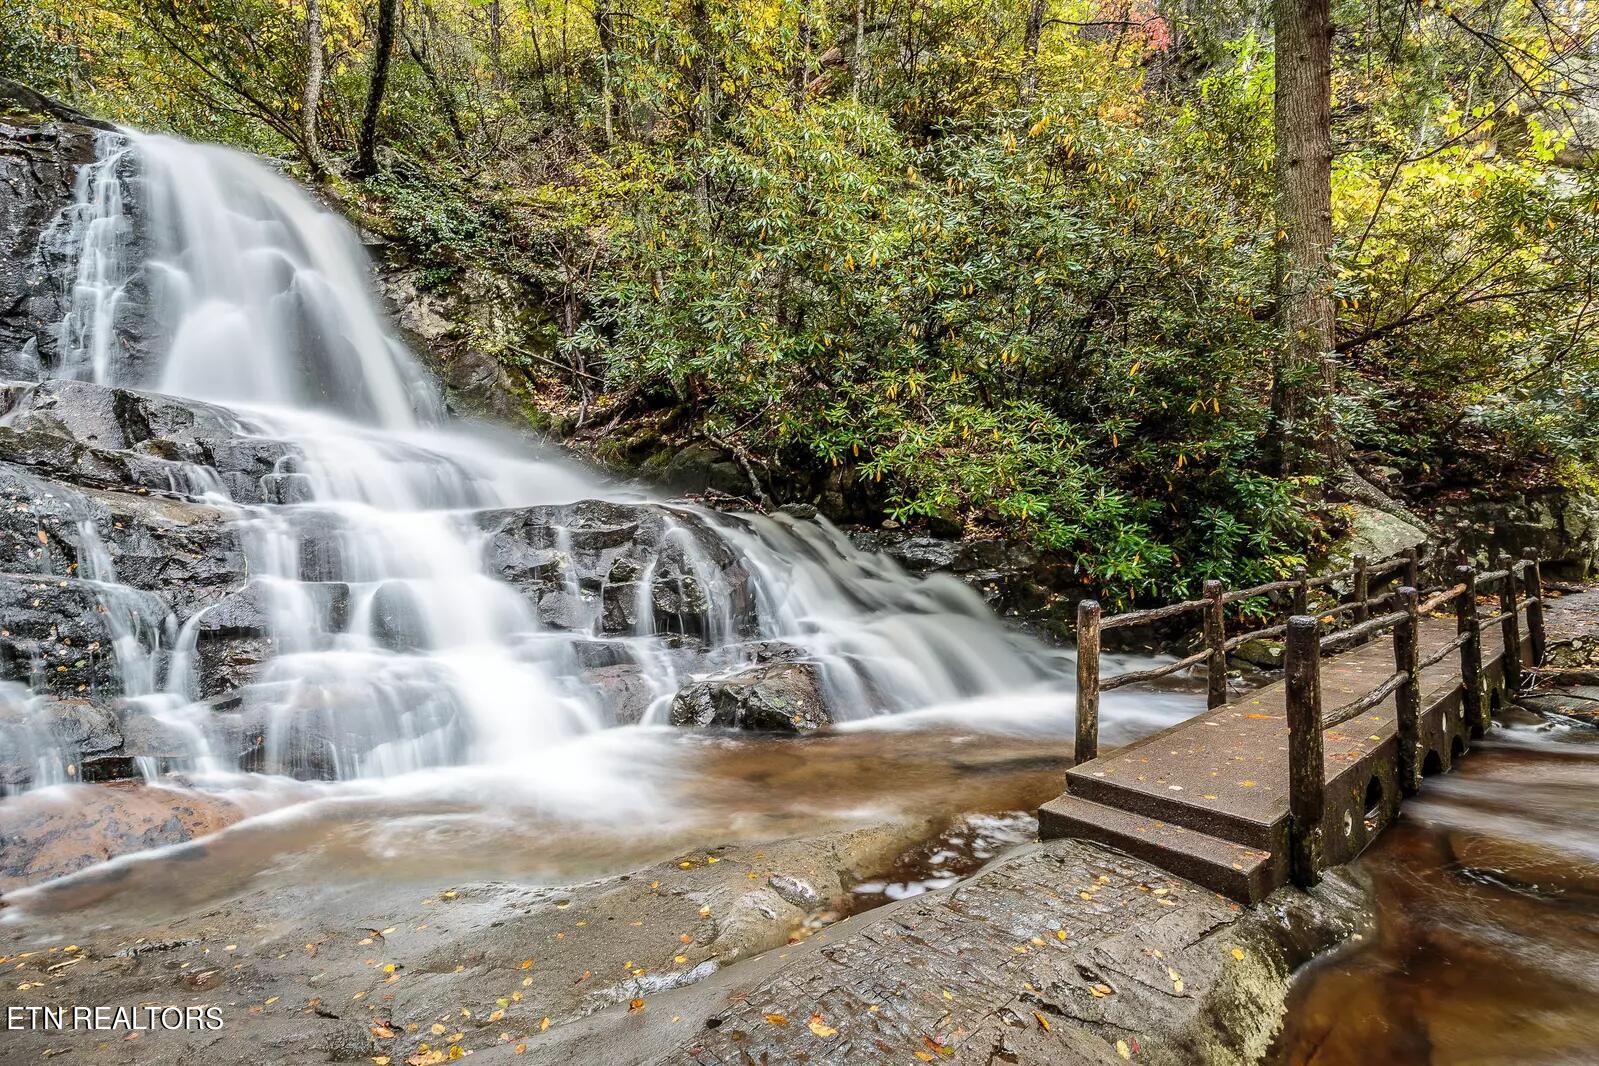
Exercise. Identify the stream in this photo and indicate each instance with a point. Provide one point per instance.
(1486, 949)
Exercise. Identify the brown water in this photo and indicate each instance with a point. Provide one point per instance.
(694, 791)
(1486, 950)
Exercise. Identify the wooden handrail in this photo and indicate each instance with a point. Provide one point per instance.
(1441, 598)
(1151, 614)
(1355, 708)
(1302, 671)
(1155, 673)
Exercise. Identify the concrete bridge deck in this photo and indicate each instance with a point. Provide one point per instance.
(1208, 798)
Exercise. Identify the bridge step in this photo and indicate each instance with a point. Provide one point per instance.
(1241, 873)
(1092, 782)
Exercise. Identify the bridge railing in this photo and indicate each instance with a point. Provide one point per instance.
(1519, 585)
(1357, 603)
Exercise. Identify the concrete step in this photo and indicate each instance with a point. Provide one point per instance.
(1190, 811)
(1241, 873)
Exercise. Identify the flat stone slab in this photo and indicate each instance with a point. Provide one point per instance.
(1063, 953)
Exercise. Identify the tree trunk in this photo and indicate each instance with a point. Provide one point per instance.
(705, 83)
(605, 29)
(366, 160)
(1304, 373)
(1034, 30)
(311, 102)
(860, 50)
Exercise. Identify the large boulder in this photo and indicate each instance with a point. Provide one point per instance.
(1561, 525)
(1376, 535)
(773, 697)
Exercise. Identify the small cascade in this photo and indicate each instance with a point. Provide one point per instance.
(96, 234)
(29, 744)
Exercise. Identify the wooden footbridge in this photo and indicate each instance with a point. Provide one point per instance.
(1280, 782)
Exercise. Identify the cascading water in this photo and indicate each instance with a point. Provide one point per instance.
(395, 647)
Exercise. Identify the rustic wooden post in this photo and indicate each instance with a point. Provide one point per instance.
(1532, 584)
(1301, 591)
(1362, 589)
(1412, 567)
(1473, 708)
(1407, 697)
(1511, 626)
(1216, 642)
(1306, 779)
(1087, 681)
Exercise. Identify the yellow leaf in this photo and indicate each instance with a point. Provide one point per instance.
(1123, 1050)
(544, 1023)
(1176, 980)
(1042, 1021)
(777, 1019)
(634, 1005)
(819, 1027)
(1238, 953)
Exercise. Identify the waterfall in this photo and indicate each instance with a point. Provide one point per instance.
(394, 647)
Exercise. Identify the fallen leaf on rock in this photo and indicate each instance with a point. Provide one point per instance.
(1123, 1050)
(635, 1005)
(777, 1019)
(819, 1027)
(1042, 1021)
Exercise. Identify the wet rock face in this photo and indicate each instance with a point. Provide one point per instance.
(94, 436)
(42, 144)
(630, 567)
(115, 553)
(780, 697)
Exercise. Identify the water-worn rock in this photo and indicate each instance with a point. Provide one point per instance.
(567, 557)
(1063, 953)
(781, 697)
(624, 692)
(186, 552)
(1265, 654)
(57, 738)
(46, 836)
(101, 437)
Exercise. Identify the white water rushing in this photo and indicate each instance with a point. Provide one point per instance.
(255, 299)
